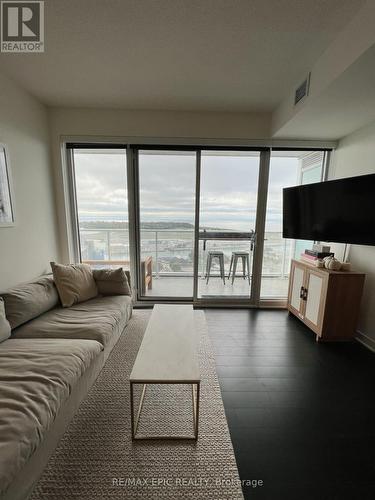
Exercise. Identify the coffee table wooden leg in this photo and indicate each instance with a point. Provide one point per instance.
(132, 409)
(193, 397)
(140, 408)
(196, 408)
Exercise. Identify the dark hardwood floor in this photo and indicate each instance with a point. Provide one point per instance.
(301, 414)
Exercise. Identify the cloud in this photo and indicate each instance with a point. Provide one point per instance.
(167, 187)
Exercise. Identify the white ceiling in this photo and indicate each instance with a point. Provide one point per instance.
(227, 55)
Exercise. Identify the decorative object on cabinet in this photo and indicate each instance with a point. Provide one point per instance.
(327, 301)
(316, 257)
(332, 263)
(318, 247)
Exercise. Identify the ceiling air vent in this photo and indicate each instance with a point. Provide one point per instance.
(302, 90)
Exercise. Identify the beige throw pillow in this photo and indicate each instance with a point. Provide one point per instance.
(75, 283)
(112, 281)
(29, 300)
(4, 323)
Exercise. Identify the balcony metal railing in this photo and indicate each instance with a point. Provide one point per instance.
(172, 250)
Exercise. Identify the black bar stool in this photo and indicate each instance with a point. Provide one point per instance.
(215, 255)
(245, 257)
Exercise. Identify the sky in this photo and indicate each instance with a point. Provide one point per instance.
(167, 185)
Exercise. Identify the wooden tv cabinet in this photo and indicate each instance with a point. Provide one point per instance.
(326, 301)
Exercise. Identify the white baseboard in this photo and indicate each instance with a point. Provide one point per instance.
(365, 340)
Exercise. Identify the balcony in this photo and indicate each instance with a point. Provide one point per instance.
(171, 266)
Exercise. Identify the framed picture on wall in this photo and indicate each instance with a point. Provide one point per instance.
(6, 195)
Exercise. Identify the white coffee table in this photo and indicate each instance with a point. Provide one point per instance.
(168, 355)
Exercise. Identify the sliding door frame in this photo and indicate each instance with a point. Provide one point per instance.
(196, 224)
(133, 194)
(264, 171)
(253, 299)
(137, 221)
(71, 209)
(132, 170)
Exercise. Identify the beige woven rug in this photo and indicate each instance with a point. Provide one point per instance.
(96, 458)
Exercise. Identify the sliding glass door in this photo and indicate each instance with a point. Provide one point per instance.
(166, 181)
(221, 263)
(192, 224)
(227, 221)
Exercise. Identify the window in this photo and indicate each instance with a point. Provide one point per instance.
(173, 188)
(287, 168)
(102, 206)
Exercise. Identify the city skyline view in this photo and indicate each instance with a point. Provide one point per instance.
(167, 185)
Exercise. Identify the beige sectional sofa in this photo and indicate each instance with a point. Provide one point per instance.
(101, 319)
(47, 366)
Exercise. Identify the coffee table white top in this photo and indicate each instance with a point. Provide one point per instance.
(168, 353)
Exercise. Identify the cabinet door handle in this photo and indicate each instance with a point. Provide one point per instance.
(305, 294)
(302, 292)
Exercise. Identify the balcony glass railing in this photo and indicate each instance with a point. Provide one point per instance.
(172, 251)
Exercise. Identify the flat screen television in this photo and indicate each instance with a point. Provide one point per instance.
(340, 211)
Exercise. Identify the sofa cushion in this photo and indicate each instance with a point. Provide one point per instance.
(97, 319)
(111, 281)
(75, 283)
(28, 300)
(36, 378)
(4, 323)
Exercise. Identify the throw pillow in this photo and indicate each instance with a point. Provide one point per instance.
(29, 300)
(75, 283)
(112, 281)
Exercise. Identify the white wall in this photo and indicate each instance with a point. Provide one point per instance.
(27, 248)
(351, 43)
(115, 123)
(170, 124)
(355, 155)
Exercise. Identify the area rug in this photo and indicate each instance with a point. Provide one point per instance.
(97, 459)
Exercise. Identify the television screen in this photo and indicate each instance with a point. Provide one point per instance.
(334, 211)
